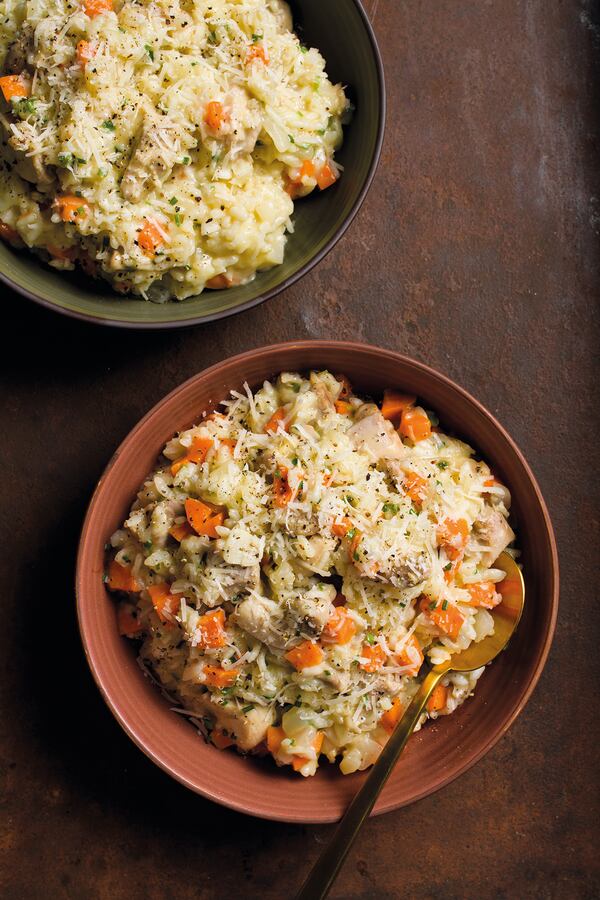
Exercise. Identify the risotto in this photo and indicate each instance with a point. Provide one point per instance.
(295, 560)
(160, 144)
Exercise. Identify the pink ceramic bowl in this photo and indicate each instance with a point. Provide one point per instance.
(438, 753)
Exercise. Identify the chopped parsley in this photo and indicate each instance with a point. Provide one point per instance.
(109, 126)
(442, 464)
(295, 386)
(247, 709)
(173, 201)
(370, 637)
(445, 605)
(149, 51)
(295, 461)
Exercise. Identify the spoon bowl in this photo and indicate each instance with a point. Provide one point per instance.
(506, 618)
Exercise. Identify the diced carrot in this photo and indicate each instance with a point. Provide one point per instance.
(66, 253)
(341, 529)
(275, 735)
(452, 536)
(411, 655)
(374, 654)
(128, 624)
(415, 487)
(343, 407)
(150, 237)
(445, 615)
(85, 52)
(165, 603)
(483, 594)
(181, 530)
(212, 629)
(221, 740)
(197, 453)
(9, 234)
(70, 208)
(305, 655)
(327, 479)
(215, 115)
(217, 677)
(490, 482)
(281, 487)
(391, 717)
(120, 578)
(96, 7)
(394, 404)
(14, 86)
(230, 443)
(257, 51)
(340, 627)
(438, 699)
(299, 761)
(414, 424)
(326, 176)
(219, 282)
(276, 420)
(345, 529)
(295, 186)
(339, 600)
(307, 169)
(204, 517)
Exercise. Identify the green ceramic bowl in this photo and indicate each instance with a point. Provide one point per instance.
(343, 34)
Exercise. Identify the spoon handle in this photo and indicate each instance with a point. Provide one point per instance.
(324, 871)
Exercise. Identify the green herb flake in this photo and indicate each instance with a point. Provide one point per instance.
(108, 125)
(173, 201)
(295, 461)
(391, 508)
(442, 464)
(247, 709)
(66, 160)
(149, 51)
(257, 37)
(447, 567)
(295, 386)
(186, 160)
(303, 48)
(370, 638)
(433, 604)
(445, 605)
(178, 219)
(24, 107)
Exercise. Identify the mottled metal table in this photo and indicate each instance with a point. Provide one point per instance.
(476, 251)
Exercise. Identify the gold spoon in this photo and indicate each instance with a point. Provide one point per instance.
(506, 618)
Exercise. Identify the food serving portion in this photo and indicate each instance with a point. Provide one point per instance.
(297, 557)
(160, 144)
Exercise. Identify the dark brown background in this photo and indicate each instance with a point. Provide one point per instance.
(476, 251)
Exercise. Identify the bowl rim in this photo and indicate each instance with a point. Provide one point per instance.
(324, 346)
(286, 283)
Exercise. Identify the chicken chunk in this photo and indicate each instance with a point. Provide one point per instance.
(159, 148)
(262, 618)
(309, 611)
(248, 729)
(225, 582)
(376, 436)
(492, 534)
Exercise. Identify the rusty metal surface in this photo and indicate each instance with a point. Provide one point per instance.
(476, 251)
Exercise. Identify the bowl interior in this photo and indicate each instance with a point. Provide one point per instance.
(352, 59)
(440, 751)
